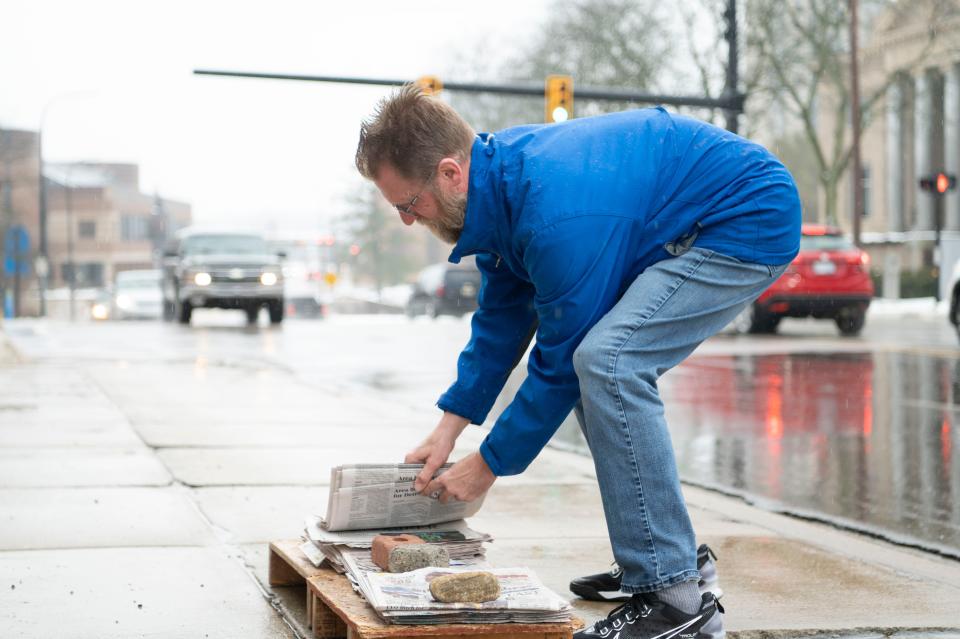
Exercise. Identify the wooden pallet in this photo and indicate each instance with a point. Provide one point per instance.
(334, 610)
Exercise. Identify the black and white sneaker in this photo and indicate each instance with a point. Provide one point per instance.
(644, 616)
(605, 586)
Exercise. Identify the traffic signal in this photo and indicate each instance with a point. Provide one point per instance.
(430, 84)
(558, 94)
(939, 183)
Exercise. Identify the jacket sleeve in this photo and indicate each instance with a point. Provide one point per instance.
(501, 330)
(576, 266)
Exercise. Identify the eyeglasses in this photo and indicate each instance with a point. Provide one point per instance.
(407, 209)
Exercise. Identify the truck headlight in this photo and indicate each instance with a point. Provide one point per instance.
(202, 279)
(268, 278)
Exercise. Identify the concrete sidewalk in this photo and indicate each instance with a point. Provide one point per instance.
(137, 499)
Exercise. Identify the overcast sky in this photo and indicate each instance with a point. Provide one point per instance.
(112, 81)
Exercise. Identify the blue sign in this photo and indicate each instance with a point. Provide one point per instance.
(16, 249)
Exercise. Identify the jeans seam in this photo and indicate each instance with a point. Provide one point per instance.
(622, 414)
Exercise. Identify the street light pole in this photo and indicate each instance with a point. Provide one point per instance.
(857, 179)
(71, 265)
(44, 256)
(42, 243)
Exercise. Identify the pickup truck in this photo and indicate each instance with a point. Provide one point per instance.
(221, 269)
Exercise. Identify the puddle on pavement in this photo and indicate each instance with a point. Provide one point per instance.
(869, 438)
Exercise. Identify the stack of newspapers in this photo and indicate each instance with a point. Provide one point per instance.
(367, 500)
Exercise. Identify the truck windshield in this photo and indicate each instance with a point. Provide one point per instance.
(224, 243)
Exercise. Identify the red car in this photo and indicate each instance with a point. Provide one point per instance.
(829, 279)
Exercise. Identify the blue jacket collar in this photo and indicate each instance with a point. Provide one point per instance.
(484, 201)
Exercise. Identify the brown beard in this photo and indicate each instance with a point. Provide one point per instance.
(452, 210)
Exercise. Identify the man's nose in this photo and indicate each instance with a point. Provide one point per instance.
(408, 219)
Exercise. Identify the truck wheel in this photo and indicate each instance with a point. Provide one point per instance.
(168, 311)
(183, 312)
(253, 312)
(851, 322)
(276, 312)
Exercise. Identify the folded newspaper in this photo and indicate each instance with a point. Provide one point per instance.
(365, 496)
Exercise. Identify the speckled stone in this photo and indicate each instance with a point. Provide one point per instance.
(415, 556)
(383, 545)
(465, 587)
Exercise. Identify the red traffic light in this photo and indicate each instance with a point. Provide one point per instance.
(939, 183)
(943, 183)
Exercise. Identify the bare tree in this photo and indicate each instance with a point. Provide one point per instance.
(616, 43)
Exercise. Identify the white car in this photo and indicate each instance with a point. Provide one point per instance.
(137, 295)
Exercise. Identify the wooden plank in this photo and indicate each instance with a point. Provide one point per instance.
(326, 624)
(288, 565)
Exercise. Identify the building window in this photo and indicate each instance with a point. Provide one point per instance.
(134, 228)
(88, 275)
(88, 230)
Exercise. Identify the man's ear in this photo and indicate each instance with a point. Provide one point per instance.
(452, 174)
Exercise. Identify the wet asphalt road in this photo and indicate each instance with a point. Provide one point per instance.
(862, 431)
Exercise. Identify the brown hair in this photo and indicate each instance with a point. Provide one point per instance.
(413, 132)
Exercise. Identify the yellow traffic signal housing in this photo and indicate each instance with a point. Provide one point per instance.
(430, 84)
(558, 94)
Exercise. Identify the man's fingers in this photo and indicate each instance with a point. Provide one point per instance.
(430, 467)
(432, 488)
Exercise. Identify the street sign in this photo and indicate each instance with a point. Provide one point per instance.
(16, 249)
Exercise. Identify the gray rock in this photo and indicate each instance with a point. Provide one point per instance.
(465, 587)
(409, 557)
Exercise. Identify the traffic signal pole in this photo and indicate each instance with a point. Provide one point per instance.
(728, 102)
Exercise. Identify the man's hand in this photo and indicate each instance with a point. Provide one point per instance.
(435, 449)
(467, 480)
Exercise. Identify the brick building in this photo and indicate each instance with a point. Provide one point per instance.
(96, 214)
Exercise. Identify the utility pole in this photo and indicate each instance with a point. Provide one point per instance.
(43, 258)
(733, 67)
(857, 178)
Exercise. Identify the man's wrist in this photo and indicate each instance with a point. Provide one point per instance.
(453, 424)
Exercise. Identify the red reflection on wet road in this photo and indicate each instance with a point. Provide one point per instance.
(858, 437)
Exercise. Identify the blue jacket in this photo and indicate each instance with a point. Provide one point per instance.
(563, 217)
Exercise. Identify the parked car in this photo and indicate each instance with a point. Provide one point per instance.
(221, 269)
(954, 289)
(445, 289)
(829, 279)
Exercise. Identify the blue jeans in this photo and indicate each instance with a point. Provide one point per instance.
(665, 314)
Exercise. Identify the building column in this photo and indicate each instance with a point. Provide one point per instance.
(895, 157)
(922, 116)
(951, 112)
